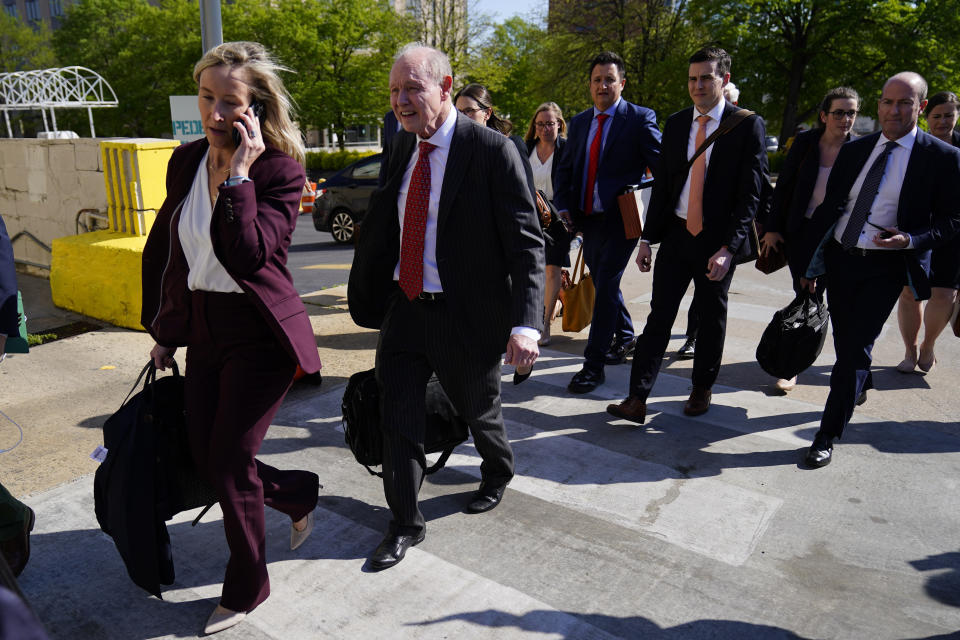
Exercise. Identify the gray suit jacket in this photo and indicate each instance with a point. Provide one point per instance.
(489, 244)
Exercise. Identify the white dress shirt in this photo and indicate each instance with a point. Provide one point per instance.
(206, 272)
(543, 172)
(883, 213)
(591, 132)
(715, 114)
(441, 138)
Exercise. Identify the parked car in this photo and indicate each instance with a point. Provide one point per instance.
(772, 144)
(341, 200)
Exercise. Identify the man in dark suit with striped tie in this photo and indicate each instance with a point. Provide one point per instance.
(891, 197)
(449, 267)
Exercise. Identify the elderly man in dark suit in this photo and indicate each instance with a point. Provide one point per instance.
(449, 267)
(700, 213)
(609, 147)
(891, 197)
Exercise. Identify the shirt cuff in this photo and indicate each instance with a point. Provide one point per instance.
(909, 239)
(529, 332)
(233, 181)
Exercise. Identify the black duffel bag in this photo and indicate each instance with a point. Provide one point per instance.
(794, 338)
(445, 429)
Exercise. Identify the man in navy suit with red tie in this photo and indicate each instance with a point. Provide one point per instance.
(891, 197)
(609, 147)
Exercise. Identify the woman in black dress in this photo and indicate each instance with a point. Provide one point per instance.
(802, 184)
(941, 114)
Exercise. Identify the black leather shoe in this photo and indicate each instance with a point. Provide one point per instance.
(862, 397)
(392, 550)
(687, 349)
(820, 453)
(620, 351)
(586, 381)
(486, 498)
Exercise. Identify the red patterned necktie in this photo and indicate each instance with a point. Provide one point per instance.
(415, 224)
(592, 166)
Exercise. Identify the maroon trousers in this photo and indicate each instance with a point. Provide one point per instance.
(237, 375)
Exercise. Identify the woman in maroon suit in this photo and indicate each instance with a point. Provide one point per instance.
(215, 280)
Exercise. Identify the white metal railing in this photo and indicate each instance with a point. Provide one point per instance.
(49, 89)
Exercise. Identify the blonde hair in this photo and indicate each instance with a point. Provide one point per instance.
(266, 87)
(561, 123)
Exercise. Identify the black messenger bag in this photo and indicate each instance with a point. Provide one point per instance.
(794, 338)
(445, 429)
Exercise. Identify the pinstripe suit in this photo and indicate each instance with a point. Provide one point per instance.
(489, 255)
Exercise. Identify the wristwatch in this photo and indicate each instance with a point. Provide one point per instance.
(233, 181)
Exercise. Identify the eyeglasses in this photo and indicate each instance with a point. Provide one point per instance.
(470, 110)
(840, 114)
(545, 125)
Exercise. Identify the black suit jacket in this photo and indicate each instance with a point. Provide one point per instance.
(489, 246)
(928, 207)
(732, 188)
(9, 323)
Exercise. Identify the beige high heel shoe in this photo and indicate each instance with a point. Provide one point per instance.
(222, 618)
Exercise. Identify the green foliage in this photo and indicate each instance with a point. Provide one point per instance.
(22, 48)
(776, 160)
(144, 51)
(335, 160)
(340, 51)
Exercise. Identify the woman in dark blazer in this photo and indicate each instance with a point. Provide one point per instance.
(803, 181)
(941, 113)
(546, 136)
(215, 280)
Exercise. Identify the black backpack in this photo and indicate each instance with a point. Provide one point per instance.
(794, 338)
(445, 429)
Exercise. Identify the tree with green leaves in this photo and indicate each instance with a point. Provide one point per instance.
(22, 48)
(340, 51)
(146, 52)
(789, 53)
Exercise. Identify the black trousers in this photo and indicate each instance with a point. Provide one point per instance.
(680, 259)
(863, 291)
(417, 339)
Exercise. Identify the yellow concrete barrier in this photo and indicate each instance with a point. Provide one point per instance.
(98, 274)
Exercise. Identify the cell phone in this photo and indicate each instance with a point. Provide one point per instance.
(257, 113)
(884, 234)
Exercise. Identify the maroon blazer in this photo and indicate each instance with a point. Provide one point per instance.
(251, 230)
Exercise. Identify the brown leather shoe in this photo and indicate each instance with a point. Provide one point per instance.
(699, 401)
(633, 409)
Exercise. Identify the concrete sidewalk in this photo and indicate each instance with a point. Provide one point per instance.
(685, 527)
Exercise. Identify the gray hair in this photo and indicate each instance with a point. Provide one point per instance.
(435, 62)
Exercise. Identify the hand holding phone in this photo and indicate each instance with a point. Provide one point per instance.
(257, 113)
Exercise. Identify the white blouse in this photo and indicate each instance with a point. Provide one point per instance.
(206, 271)
(543, 172)
(819, 191)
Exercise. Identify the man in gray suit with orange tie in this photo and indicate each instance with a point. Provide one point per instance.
(449, 268)
(891, 197)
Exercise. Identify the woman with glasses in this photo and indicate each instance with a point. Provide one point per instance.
(546, 136)
(941, 114)
(475, 102)
(802, 183)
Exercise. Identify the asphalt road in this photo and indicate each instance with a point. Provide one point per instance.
(315, 260)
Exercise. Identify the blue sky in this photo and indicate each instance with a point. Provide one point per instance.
(507, 8)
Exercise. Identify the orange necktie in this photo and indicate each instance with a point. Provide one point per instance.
(697, 174)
